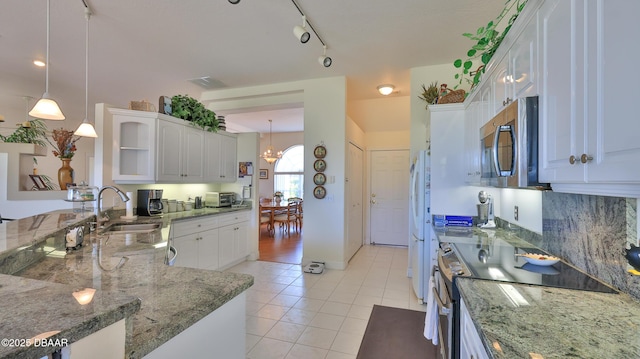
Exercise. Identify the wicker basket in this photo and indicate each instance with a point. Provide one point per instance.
(450, 96)
(143, 105)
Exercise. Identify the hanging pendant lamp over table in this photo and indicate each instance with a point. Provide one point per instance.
(47, 108)
(270, 154)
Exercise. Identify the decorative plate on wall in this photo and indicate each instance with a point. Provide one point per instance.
(319, 165)
(319, 192)
(320, 151)
(319, 178)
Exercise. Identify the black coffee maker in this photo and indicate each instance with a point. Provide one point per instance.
(149, 202)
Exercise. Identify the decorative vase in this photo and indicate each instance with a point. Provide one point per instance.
(65, 173)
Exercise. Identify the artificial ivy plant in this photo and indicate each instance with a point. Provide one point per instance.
(190, 109)
(487, 39)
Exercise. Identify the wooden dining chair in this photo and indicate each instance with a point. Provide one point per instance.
(265, 218)
(287, 218)
(298, 213)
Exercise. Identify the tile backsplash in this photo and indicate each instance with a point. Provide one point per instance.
(592, 232)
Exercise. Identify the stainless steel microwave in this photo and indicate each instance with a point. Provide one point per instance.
(509, 147)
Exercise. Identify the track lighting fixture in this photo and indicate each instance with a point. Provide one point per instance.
(234, 1)
(300, 32)
(386, 89)
(324, 60)
(47, 108)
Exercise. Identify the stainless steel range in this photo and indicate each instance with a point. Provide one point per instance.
(484, 256)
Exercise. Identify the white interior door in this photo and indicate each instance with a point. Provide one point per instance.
(355, 198)
(389, 197)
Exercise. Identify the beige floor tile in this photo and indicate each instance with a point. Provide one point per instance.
(360, 312)
(354, 326)
(268, 348)
(253, 307)
(367, 300)
(309, 304)
(317, 337)
(271, 311)
(335, 355)
(347, 343)
(250, 341)
(300, 351)
(298, 316)
(285, 300)
(335, 308)
(327, 321)
(259, 326)
(342, 297)
(288, 332)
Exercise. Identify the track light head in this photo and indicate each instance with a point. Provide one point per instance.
(300, 32)
(324, 61)
(234, 1)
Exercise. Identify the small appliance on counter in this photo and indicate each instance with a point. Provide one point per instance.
(219, 199)
(149, 202)
(486, 219)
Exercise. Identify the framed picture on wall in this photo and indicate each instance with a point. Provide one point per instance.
(263, 174)
(38, 182)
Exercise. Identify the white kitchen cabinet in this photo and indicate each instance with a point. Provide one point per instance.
(472, 120)
(220, 157)
(180, 152)
(470, 343)
(134, 143)
(589, 135)
(149, 147)
(197, 242)
(233, 234)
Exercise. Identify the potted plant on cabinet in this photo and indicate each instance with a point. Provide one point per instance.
(188, 108)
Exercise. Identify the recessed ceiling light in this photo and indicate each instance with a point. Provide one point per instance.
(386, 89)
(38, 63)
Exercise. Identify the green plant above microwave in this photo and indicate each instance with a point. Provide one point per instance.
(487, 40)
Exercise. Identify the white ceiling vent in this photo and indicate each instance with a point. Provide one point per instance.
(208, 83)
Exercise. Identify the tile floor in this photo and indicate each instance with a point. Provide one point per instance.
(292, 314)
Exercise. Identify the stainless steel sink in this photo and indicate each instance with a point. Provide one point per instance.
(133, 227)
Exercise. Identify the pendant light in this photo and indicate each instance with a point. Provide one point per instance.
(270, 154)
(47, 108)
(86, 129)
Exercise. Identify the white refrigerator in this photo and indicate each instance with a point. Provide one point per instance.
(421, 246)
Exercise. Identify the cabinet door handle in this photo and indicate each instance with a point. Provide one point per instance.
(572, 159)
(585, 158)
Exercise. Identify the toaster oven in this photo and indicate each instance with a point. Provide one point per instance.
(219, 199)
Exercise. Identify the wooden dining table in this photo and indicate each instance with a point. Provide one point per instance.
(272, 207)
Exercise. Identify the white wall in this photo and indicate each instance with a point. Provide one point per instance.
(324, 103)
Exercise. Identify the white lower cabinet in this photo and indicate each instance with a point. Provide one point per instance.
(233, 234)
(196, 242)
(211, 242)
(470, 343)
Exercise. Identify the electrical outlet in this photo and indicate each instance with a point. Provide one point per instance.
(515, 212)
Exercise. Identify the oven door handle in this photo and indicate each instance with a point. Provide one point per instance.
(442, 308)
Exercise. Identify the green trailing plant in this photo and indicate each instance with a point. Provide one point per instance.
(487, 40)
(34, 131)
(429, 94)
(190, 109)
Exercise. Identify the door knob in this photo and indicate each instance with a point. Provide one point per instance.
(572, 159)
(373, 201)
(585, 158)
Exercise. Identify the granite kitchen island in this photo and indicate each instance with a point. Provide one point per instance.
(131, 279)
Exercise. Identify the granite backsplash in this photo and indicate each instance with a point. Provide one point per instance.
(591, 232)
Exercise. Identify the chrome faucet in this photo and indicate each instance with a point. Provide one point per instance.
(122, 195)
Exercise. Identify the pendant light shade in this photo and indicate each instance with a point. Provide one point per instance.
(270, 155)
(47, 108)
(86, 128)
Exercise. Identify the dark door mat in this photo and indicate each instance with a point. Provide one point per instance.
(395, 333)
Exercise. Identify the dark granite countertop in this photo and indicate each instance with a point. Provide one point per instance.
(127, 266)
(555, 323)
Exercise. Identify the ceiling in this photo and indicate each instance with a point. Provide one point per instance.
(144, 49)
